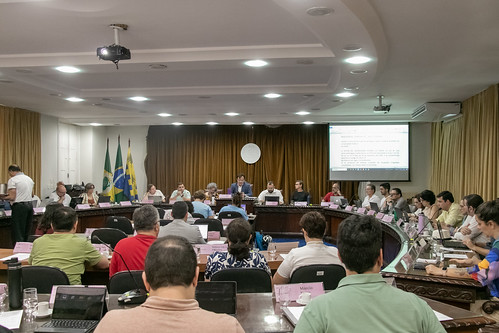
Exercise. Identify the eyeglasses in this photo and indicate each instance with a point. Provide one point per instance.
(392, 194)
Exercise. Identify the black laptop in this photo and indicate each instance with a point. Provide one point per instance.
(217, 296)
(104, 198)
(75, 201)
(76, 310)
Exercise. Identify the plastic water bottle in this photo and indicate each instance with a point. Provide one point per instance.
(421, 223)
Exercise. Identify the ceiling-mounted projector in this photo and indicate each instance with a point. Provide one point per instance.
(115, 52)
(381, 108)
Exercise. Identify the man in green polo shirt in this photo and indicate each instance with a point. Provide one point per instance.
(65, 250)
(363, 302)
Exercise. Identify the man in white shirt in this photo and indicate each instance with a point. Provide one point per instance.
(270, 192)
(60, 196)
(181, 194)
(315, 252)
(370, 197)
(20, 191)
(469, 229)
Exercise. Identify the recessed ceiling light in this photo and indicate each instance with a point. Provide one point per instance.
(232, 114)
(352, 48)
(248, 123)
(95, 124)
(358, 60)
(272, 95)
(351, 88)
(308, 122)
(304, 61)
(358, 71)
(139, 98)
(164, 114)
(211, 123)
(319, 11)
(256, 63)
(302, 113)
(345, 94)
(158, 66)
(68, 69)
(74, 99)
(177, 123)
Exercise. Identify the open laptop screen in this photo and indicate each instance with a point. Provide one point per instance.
(217, 296)
(79, 303)
(204, 230)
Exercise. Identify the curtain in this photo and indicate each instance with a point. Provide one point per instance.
(198, 155)
(465, 151)
(21, 143)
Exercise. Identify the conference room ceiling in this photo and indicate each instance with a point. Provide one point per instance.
(421, 51)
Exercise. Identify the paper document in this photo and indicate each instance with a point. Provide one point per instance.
(293, 313)
(20, 256)
(11, 319)
(441, 316)
(455, 256)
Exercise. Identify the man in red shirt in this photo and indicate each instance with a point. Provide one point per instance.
(134, 249)
(334, 192)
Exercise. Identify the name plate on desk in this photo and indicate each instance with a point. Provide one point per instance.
(271, 203)
(361, 210)
(291, 292)
(348, 208)
(300, 203)
(125, 203)
(105, 205)
(207, 202)
(101, 248)
(213, 235)
(210, 248)
(226, 222)
(380, 215)
(387, 219)
(172, 202)
(38, 210)
(82, 206)
(323, 204)
(23, 247)
(148, 201)
(225, 196)
(371, 212)
(334, 206)
(8, 213)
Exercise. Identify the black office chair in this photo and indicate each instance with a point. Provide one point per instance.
(120, 222)
(161, 212)
(122, 282)
(43, 278)
(197, 215)
(330, 275)
(249, 280)
(109, 236)
(229, 215)
(213, 225)
(32, 238)
(162, 223)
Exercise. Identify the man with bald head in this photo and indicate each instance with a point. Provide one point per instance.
(60, 195)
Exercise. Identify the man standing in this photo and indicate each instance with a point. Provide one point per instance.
(20, 189)
(270, 192)
(180, 227)
(363, 301)
(60, 195)
(134, 249)
(171, 276)
(451, 216)
(241, 186)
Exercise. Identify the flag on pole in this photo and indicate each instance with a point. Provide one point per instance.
(119, 176)
(107, 181)
(130, 181)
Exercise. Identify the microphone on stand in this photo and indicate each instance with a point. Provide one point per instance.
(135, 296)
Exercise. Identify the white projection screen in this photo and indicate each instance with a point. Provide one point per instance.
(369, 152)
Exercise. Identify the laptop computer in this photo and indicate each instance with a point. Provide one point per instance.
(76, 310)
(155, 198)
(358, 203)
(336, 200)
(104, 198)
(217, 296)
(203, 228)
(271, 198)
(374, 206)
(75, 201)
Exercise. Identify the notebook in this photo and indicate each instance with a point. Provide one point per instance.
(76, 310)
(217, 296)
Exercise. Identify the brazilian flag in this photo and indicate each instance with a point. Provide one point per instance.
(107, 181)
(119, 177)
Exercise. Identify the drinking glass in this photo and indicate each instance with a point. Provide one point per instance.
(30, 302)
(272, 251)
(3, 295)
(198, 253)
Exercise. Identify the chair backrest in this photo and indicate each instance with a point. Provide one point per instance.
(32, 238)
(162, 223)
(122, 282)
(283, 246)
(120, 222)
(43, 278)
(109, 236)
(161, 212)
(229, 215)
(249, 280)
(197, 215)
(330, 275)
(213, 225)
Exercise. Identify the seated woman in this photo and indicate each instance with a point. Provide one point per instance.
(211, 191)
(153, 192)
(45, 223)
(430, 208)
(239, 256)
(300, 194)
(236, 205)
(89, 197)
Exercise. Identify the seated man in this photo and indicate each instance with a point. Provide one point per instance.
(469, 229)
(64, 250)
(363, 302)
(335, 191)
(60, 195)
(134, 249)
(270, 192)
(241, 186)
(451, 216)
(300, 194)
(170, 276)
(370, 197)
(384, 189)
(180, 227)
(200, 207)
(181, 194)
(396, 200)
(313, 225)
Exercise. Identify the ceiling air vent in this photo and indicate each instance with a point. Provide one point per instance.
(434, 112)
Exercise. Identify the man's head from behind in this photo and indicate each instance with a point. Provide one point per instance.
(359, 243)
(179, 210)
(64, 219)
(314, 224)
(171, 262)
(146, 218)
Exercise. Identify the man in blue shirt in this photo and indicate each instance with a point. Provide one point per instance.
(241, 186)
